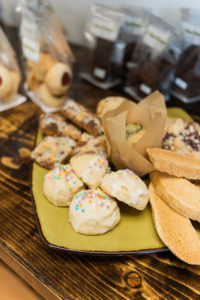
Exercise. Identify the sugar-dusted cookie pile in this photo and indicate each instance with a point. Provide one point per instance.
(74, 151)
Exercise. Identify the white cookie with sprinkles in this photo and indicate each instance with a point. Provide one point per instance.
(61, 184)
(127, 187)
(92, 212)
(91, 168)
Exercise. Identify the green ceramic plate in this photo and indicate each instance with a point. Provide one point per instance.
(134, 234)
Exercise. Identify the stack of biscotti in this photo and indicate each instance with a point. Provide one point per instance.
(175, 200)
(76, 131)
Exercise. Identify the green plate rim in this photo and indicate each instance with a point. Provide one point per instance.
(86, 252)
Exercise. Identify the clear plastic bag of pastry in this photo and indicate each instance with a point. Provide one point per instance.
(132, 29)
(10, 76)
(156, 56)
(44, 5)
(186, 85)
(47, 57)
(106, 50)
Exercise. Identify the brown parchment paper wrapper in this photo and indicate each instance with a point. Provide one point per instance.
(151, 113)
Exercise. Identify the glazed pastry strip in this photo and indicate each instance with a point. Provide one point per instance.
(51, 124)
(52, 151)
(82, 117)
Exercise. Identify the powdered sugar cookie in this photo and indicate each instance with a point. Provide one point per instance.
(60, 185)
(91, 168)
(127, 187)
(93, 212)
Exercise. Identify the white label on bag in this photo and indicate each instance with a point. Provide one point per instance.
(28, 28)
(106, 29)
(145, 88)
(155, 38)
(100, 73)
(181, 83)
(192, 31)
(31, 49)
(135, 25)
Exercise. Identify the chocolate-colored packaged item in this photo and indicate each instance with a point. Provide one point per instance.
(186, 86)
(134, 26)
(107, 60)
(155, 57)
(106, 49)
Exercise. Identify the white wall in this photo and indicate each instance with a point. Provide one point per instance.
(74, 12)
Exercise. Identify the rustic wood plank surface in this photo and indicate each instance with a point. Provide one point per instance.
(57, 275)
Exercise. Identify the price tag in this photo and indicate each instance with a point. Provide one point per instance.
(181, 83)
(156, 38)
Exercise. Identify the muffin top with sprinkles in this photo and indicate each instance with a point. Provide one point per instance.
(128, 172)
(60, 185)
(91, 168)
(93, 212)
(90, 197)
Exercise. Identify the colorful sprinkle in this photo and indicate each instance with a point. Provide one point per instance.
(93, 197)
(127, 171)
(66, 173)
(100, 162)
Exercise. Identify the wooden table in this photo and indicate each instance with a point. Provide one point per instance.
(57, 275)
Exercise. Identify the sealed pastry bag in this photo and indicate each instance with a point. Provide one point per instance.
(10, 75)
(132, 29)
(155, 57)
(106, 49)
(47, 56)
(186, 85)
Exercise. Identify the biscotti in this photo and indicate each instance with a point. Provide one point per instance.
(52, 151)
(82, 117)
(88, 144)
(179, 193)
(174, 163)
(51, 124)
(176, 231)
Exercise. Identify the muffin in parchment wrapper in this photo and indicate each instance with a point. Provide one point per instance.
(151, 114)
